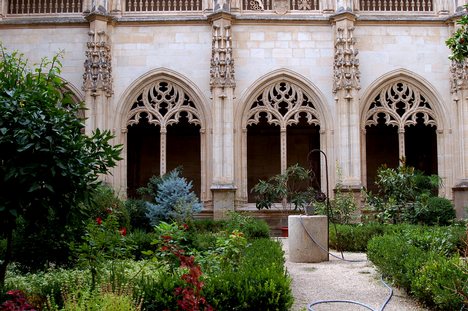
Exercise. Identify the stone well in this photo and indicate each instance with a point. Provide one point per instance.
(305, 232)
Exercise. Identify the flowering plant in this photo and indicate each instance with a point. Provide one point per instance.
(17, 302)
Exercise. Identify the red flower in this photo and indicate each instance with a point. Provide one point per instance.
(185, 226)
(99, 220)
(123, 231)
(109, 210)
(166, 238)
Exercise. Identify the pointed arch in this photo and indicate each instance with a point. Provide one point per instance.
(170, 104)
(280, 98)
(399, 102)
(76, 96)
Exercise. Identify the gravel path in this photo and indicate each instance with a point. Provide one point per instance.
(337, 279)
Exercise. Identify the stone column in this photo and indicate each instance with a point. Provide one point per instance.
(222, 84)
(346, 84)
(459, 90)
(97, 77)
(3, 8)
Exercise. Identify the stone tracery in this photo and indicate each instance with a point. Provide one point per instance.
(401, 105)
(283, 103)
(162, 103)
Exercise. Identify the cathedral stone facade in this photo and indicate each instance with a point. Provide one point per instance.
(236, 91)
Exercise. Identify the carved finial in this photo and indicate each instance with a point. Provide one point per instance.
(98, 65)
(222, 62)
(458, 76)
(346, 74)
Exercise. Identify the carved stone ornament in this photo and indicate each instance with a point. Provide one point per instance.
(401, 105)
(256, 5)
(283, 104)
(98, 65)
(163, 103)
(346, 73)
(222, 62)
(458, 76)
(281, 6)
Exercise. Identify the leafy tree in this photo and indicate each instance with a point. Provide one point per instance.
(458, 42)
(47, 165)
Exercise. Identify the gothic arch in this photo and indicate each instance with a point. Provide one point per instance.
(399, 99)
(76, 96)
(162, 97)
(282, 96)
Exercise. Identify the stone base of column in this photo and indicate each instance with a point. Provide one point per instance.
(223, 200)
(460, 199)
(305, 232)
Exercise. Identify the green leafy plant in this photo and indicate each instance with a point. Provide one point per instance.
(251, 227)
(401, 194)
(104, 241)
(458, 42)
(101, 300)
(288, 188)
(47, 164)
(170, 247)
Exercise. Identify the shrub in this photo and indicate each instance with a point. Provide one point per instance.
(260, 282)
(139, 241)
(396, 259)
(422, 261)
(174, 199)
(207, 225)
(437, 211)
(251, 227)
(137, 210)
(43, 285)
(104, 201)
(99, 301)
(437, 282)
(354, 238)
(400, 192)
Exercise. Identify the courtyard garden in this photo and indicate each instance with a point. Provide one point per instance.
(67, 242)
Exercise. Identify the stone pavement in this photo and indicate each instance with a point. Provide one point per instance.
(341, 280)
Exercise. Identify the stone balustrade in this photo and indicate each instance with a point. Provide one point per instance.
(15, 8)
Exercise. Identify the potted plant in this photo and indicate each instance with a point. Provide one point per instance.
(290, 190)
